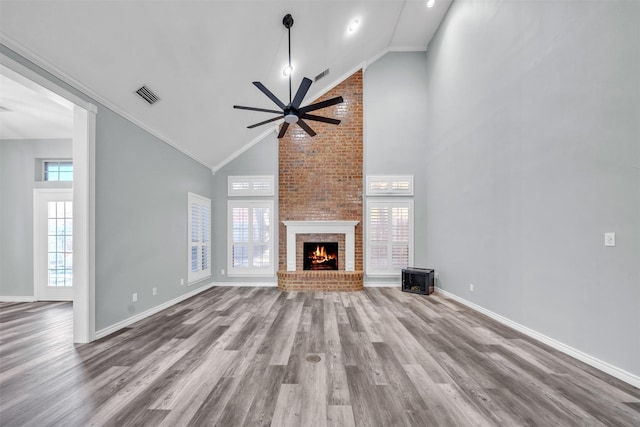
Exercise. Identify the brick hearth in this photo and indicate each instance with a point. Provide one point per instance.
(320, 179)
(320, 280)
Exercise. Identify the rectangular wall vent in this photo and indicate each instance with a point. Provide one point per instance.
(321, 75)
(146, 94)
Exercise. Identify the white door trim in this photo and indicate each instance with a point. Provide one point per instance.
(84, 141)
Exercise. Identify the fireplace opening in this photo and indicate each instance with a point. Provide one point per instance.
(320, 256)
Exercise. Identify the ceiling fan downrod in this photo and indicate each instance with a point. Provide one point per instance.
(293, 112)
(287, 21)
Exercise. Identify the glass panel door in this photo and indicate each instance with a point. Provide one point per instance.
(53, 244)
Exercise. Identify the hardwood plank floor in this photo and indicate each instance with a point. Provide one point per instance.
(258, 356)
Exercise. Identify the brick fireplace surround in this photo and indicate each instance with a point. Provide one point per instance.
(320, 179)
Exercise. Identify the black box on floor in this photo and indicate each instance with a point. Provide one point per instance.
(418, 280)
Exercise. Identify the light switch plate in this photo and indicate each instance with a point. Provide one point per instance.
(609, 239)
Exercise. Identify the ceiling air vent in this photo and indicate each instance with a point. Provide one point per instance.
(146, 94)
(321, 75)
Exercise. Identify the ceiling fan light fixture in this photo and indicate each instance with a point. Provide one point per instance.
(291, 118)
(353, 26)
(286, 71)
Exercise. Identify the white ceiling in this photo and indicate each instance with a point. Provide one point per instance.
(28, 114)
(200, 57)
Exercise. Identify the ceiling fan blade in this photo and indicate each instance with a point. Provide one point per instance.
(264, 123)
(271, 96)
(320, 119)
(264, 110)
(301, 93)
(306, 127)
(322, 104)
(283, 129)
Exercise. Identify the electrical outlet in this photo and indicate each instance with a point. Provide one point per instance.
(609, 239)
(471, 287)
(182, 281)
(134, 297)
(222, 271)
(155, 291)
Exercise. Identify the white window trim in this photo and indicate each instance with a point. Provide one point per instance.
(250, 271)
(193, 277)
(389, 202)
(250, 180)
(390, 191)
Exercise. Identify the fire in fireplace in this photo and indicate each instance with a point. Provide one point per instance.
(320, 256)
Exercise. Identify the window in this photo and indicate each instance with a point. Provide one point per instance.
(250, 241)
(254, 185)
(199, 238)
(389, 236)
(60, 252)
(390, 185)
(58, 170)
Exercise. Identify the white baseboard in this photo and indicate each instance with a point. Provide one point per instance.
(133, 319)
(245, 284)
(381, 285)
(275, 284)
(614, 371)
(11, 298)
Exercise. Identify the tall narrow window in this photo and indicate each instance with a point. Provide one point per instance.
(250, 238)
(199, 237)
(60, 224)
(389, 236)
(61, 170)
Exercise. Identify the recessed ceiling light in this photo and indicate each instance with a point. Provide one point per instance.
(430, 3)
(353, 26)
(287, 70)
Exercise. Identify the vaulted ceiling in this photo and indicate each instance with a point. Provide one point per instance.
(200, 57)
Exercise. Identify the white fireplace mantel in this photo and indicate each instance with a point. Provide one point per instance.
(321, 227)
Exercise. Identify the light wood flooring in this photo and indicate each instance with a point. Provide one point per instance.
(238, 357)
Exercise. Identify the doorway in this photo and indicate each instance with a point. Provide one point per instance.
(83, 207)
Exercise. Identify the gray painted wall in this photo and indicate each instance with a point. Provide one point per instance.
(533, 154)
(261, 159)
(395, 128)
(18, 176)
(141, 220)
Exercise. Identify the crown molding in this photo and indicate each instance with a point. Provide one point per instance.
(58, 73)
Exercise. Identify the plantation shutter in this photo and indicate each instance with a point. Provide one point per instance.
(199, 237)
(390, 236)
(251, 229)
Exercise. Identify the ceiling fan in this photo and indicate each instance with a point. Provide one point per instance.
(292, 113)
